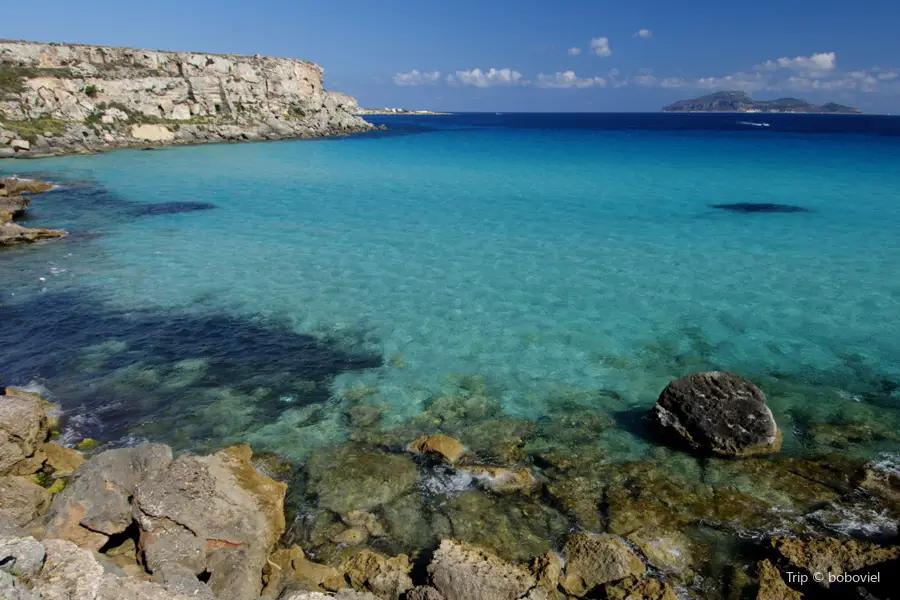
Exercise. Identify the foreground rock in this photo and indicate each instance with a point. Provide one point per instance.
(772, 585)
(832, 556)
(594, 560)
(441, 446)
(97, 502)
(463, 572)
(72, 98)
(23, 429)
(213, 514)
(717, 413)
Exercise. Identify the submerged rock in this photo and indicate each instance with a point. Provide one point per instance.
(172, 208)
(290, 569)
(760, 207)
(463, 572)
(442, 446)
(593, 560)
(350, 478)
(503, 480)
(717, 413)
(514, 527)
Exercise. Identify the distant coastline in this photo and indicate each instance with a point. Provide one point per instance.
(741, 102)
(397, 111)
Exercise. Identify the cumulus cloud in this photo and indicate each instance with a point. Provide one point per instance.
(600, 46)
(568, 79)
(642, 33)
(414, 77)
(574, 51)
(823, 61)
(491, 77)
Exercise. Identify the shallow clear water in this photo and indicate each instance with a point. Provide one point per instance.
(556, 266)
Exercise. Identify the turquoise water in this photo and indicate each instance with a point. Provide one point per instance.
(557, 268)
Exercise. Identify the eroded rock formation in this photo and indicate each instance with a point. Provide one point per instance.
(59, 98)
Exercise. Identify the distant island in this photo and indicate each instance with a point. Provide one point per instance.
(741, 102)
(396, 111)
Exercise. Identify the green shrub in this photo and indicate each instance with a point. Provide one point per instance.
(92, 90)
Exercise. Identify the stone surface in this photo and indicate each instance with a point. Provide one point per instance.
(21, 556)
(97, 499)
(593, 560)
(668, 551)
(772, 585)
(138, 96)
(13, 589)
(463, 572)
(386, 578)
(12, 234)
(62, 460)
(831, 555)
(69, 573)
(223, 501)
(424, 592)
(21, 500)
(13, 186)
(12, 206)
(130, 588)
(635, 588)
(353, 478)
(503, 480)
(289, 568)
(441, 446)
(547, 570)
(23, 420)
(717, 413)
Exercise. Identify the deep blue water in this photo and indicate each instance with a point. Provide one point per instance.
(548, 257)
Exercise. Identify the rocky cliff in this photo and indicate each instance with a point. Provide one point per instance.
(58, 98)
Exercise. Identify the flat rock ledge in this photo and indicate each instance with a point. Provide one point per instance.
(13, 205)
(717, 413)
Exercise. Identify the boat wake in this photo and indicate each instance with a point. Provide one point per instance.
(753, 124)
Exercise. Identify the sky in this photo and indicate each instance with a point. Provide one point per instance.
(519, 55)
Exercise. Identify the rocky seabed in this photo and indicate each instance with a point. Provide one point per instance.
(140, 523)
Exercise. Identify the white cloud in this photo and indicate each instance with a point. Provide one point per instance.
(574, 51)
(491, 77)
(568, 79)
(414, 77)
(642, 33)
(823, 61)
(600, 46)
(887, 76)
(748, 82)
(644, 80)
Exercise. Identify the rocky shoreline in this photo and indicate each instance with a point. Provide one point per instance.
(140, 523)
(13, 205)
(69, 98)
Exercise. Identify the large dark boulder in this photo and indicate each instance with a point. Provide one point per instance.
(717, 413)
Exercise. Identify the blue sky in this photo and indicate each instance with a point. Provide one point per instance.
(559, 55)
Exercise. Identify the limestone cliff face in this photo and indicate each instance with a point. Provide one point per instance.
(89, 97)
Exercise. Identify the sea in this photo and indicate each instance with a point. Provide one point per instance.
(242, 292)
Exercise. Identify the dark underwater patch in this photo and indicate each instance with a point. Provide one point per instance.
(760, 207)
(50, 337)
(172, 208)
